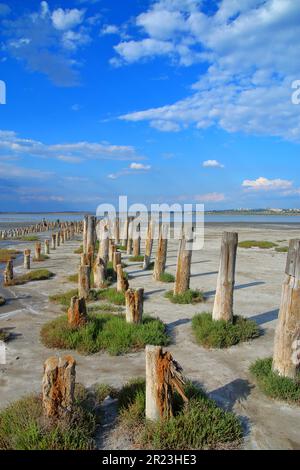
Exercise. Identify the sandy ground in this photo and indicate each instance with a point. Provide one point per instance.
(223, 373)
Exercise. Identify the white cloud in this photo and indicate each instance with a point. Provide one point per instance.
(265, 184)
(67, 19)
(251, 51)
(139, 166)
(164, 125)
(109, 29)
(212, 164)
(11, 143)
(11, 171)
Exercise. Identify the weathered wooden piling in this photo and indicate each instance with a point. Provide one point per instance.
(117, 260)
(112, 251)
(58, 386)
(223, 305)
(286, 356)
(8, 274)
(161, 254)
(134, 305)
(77, 314)
(53, 241)
(184, 260)
(104, 250)
(130, 239)
(122, 281)
(84, 283)
(90, 235)
(38, 251)
(47, 247)
(27, 254)
(163, 377)
(148, 245)
(99, 270)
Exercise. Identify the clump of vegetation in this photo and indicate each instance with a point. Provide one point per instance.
(79, 250)
(167, 277)
(282, 249)
(37, 275)
(188, 297)
(121, 247)
(199, 424)
(29, 238)
(64, 298)
(111, 295)
(2, 301)
(6, 255)
(221, 334)
(23, 426)
(105, 308)
(4, 335)
(136, 258)
(41, 258)
(104, 390)
(273, 385)
(257, 244)
(73, 278)
(104, 331)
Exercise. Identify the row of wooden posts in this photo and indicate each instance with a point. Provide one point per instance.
(44, 226)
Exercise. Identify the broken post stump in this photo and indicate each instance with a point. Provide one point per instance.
(117, 260)
(161, 254)
(148, 245)
(27, 254)
(163, 378)
(122, 281)
(47, 247)
(286, 356)
(38, 251)
(8, 275)
(58, 386)
(77, 314)
(134, 305)
(84, 283)
(53, 241)
(223, 305)
(183, 270)
(99, 271)
(112, 250)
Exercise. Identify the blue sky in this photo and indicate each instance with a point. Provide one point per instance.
(164, 101)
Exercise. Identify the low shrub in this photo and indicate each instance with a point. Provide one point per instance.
(188, 297)
(37, 275)
(257, 244)
(167, 277)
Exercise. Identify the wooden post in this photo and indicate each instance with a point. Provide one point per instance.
(38, 249)
(149, 245)
(134, 305)
(84, 276)
(125, 231)
(53, 241)
(84, 234)
(47, 247)
(161, 254)
(223, 305)
(129, 239)
(117, 230)
(58, 386)
(183, 270)
(77, 315)
(112, 250)
(286, 357)
(117, 260)
(9, 272)
(99, 271)
(122, 282)
(27, 259)
(163, 377)
(59, 240)
(137, 240)
(104, 250)
(91, 235)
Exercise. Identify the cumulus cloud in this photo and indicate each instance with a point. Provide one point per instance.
(47, 41)
(139, 166)
(133, 168)
(265, 184)
(109, 29)
(212, 164)
(247, 85)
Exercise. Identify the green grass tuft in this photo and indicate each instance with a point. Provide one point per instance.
(4, 335)
(104, 390)
(79, 250)
(29, 238)
(23, 426)
(37, 275)
(104, 332)
(73, 278)
(64, 299)
(257, 244)
(6, 255)
(42, 258)
(111, 295)
(200, 424)
(222, 334)
(167, 277)
(282, 249)
(188, 297)
(136, 258)
(273, 385)
(121, 247)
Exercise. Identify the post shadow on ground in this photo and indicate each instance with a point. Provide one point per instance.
(151, 292)
(194, 262)
(204, 274)
(266, 317)
(241, 286)
(11, 335)
(170, 327)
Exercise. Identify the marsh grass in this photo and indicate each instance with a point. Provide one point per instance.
(121, 247)
(37, 275)
(134, 259)
(200, 424)
(167, 277)
(23, 426)
(111, 295)
(257, 244)
(42, 258)
(104, 332)
(79, 250)
(221, 334)
(188, 297)
(29, 238)
(6, 255)
(282, 249)
(273, 385)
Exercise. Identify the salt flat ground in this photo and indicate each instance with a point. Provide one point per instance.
(224, 374)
